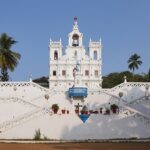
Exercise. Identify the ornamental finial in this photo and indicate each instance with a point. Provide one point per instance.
(75, 21)
(125, 79)
(30, 78)
(75, 18)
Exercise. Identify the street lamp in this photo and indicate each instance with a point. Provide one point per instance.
(46, 96)
(14, 88)
(147, 88)
(120, 95)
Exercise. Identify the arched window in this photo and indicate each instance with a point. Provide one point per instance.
(96, 73)
(55, 55)
(63, 72)
(95, 55)
(54, 73)
(86, 72)
(75, 41)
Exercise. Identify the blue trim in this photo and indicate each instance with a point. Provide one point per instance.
(84, 117)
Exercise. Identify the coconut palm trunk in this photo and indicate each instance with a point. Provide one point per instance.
(4, 73)
(148, 75)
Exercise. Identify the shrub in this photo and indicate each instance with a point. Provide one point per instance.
(55, 108)
(45, 137)
(37, 135)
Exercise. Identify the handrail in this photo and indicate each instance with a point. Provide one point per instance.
(51, 93)
(27, 83)
(41, 87)
(10, 124)
(136, 111)
(19, 99)
(133, 84)
(135, 100)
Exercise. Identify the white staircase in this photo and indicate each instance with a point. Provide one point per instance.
(138, 100)
(36, 112)
(19, 100)
(22, 119)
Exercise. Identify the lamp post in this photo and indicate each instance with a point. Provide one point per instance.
(146, 93)
(125, 79)
(120, 95)
(46, 96)
(15, 89)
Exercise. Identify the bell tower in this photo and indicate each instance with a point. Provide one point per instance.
(75, 49)
(95, 48)
(55, 50)
(75, 37)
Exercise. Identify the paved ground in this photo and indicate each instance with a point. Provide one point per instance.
(77, 146)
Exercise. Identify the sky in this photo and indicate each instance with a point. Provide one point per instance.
(123, 26)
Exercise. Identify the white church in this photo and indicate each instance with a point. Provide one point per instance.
(75, 106)
(62, 67)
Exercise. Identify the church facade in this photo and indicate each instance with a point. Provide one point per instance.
(63, 66)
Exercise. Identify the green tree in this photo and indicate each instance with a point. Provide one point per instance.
(115, 78)
(134, 62)
(8, 58)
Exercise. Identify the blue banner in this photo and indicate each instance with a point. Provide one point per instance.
(75, 92)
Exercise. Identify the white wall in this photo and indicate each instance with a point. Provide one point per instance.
(31, 97)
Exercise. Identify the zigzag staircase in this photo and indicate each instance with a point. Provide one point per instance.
(127, 110)
(19, 100)
(21, 119)
(38, 111)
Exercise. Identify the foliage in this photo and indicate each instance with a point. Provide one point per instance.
(134, 62)
(43, 81)
(55, 107)
(114, 106)
(8, 58)
(116, 78)
(37, 135)
(84, 109)
(45, 137)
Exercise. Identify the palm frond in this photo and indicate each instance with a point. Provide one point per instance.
(8, 58)
(134, 62)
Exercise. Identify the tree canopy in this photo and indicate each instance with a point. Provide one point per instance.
(116, 78)
(134, 62)
(8, 58)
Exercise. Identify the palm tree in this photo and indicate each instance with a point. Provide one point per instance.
(134, 62)
(8, 58)
(148, 75)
